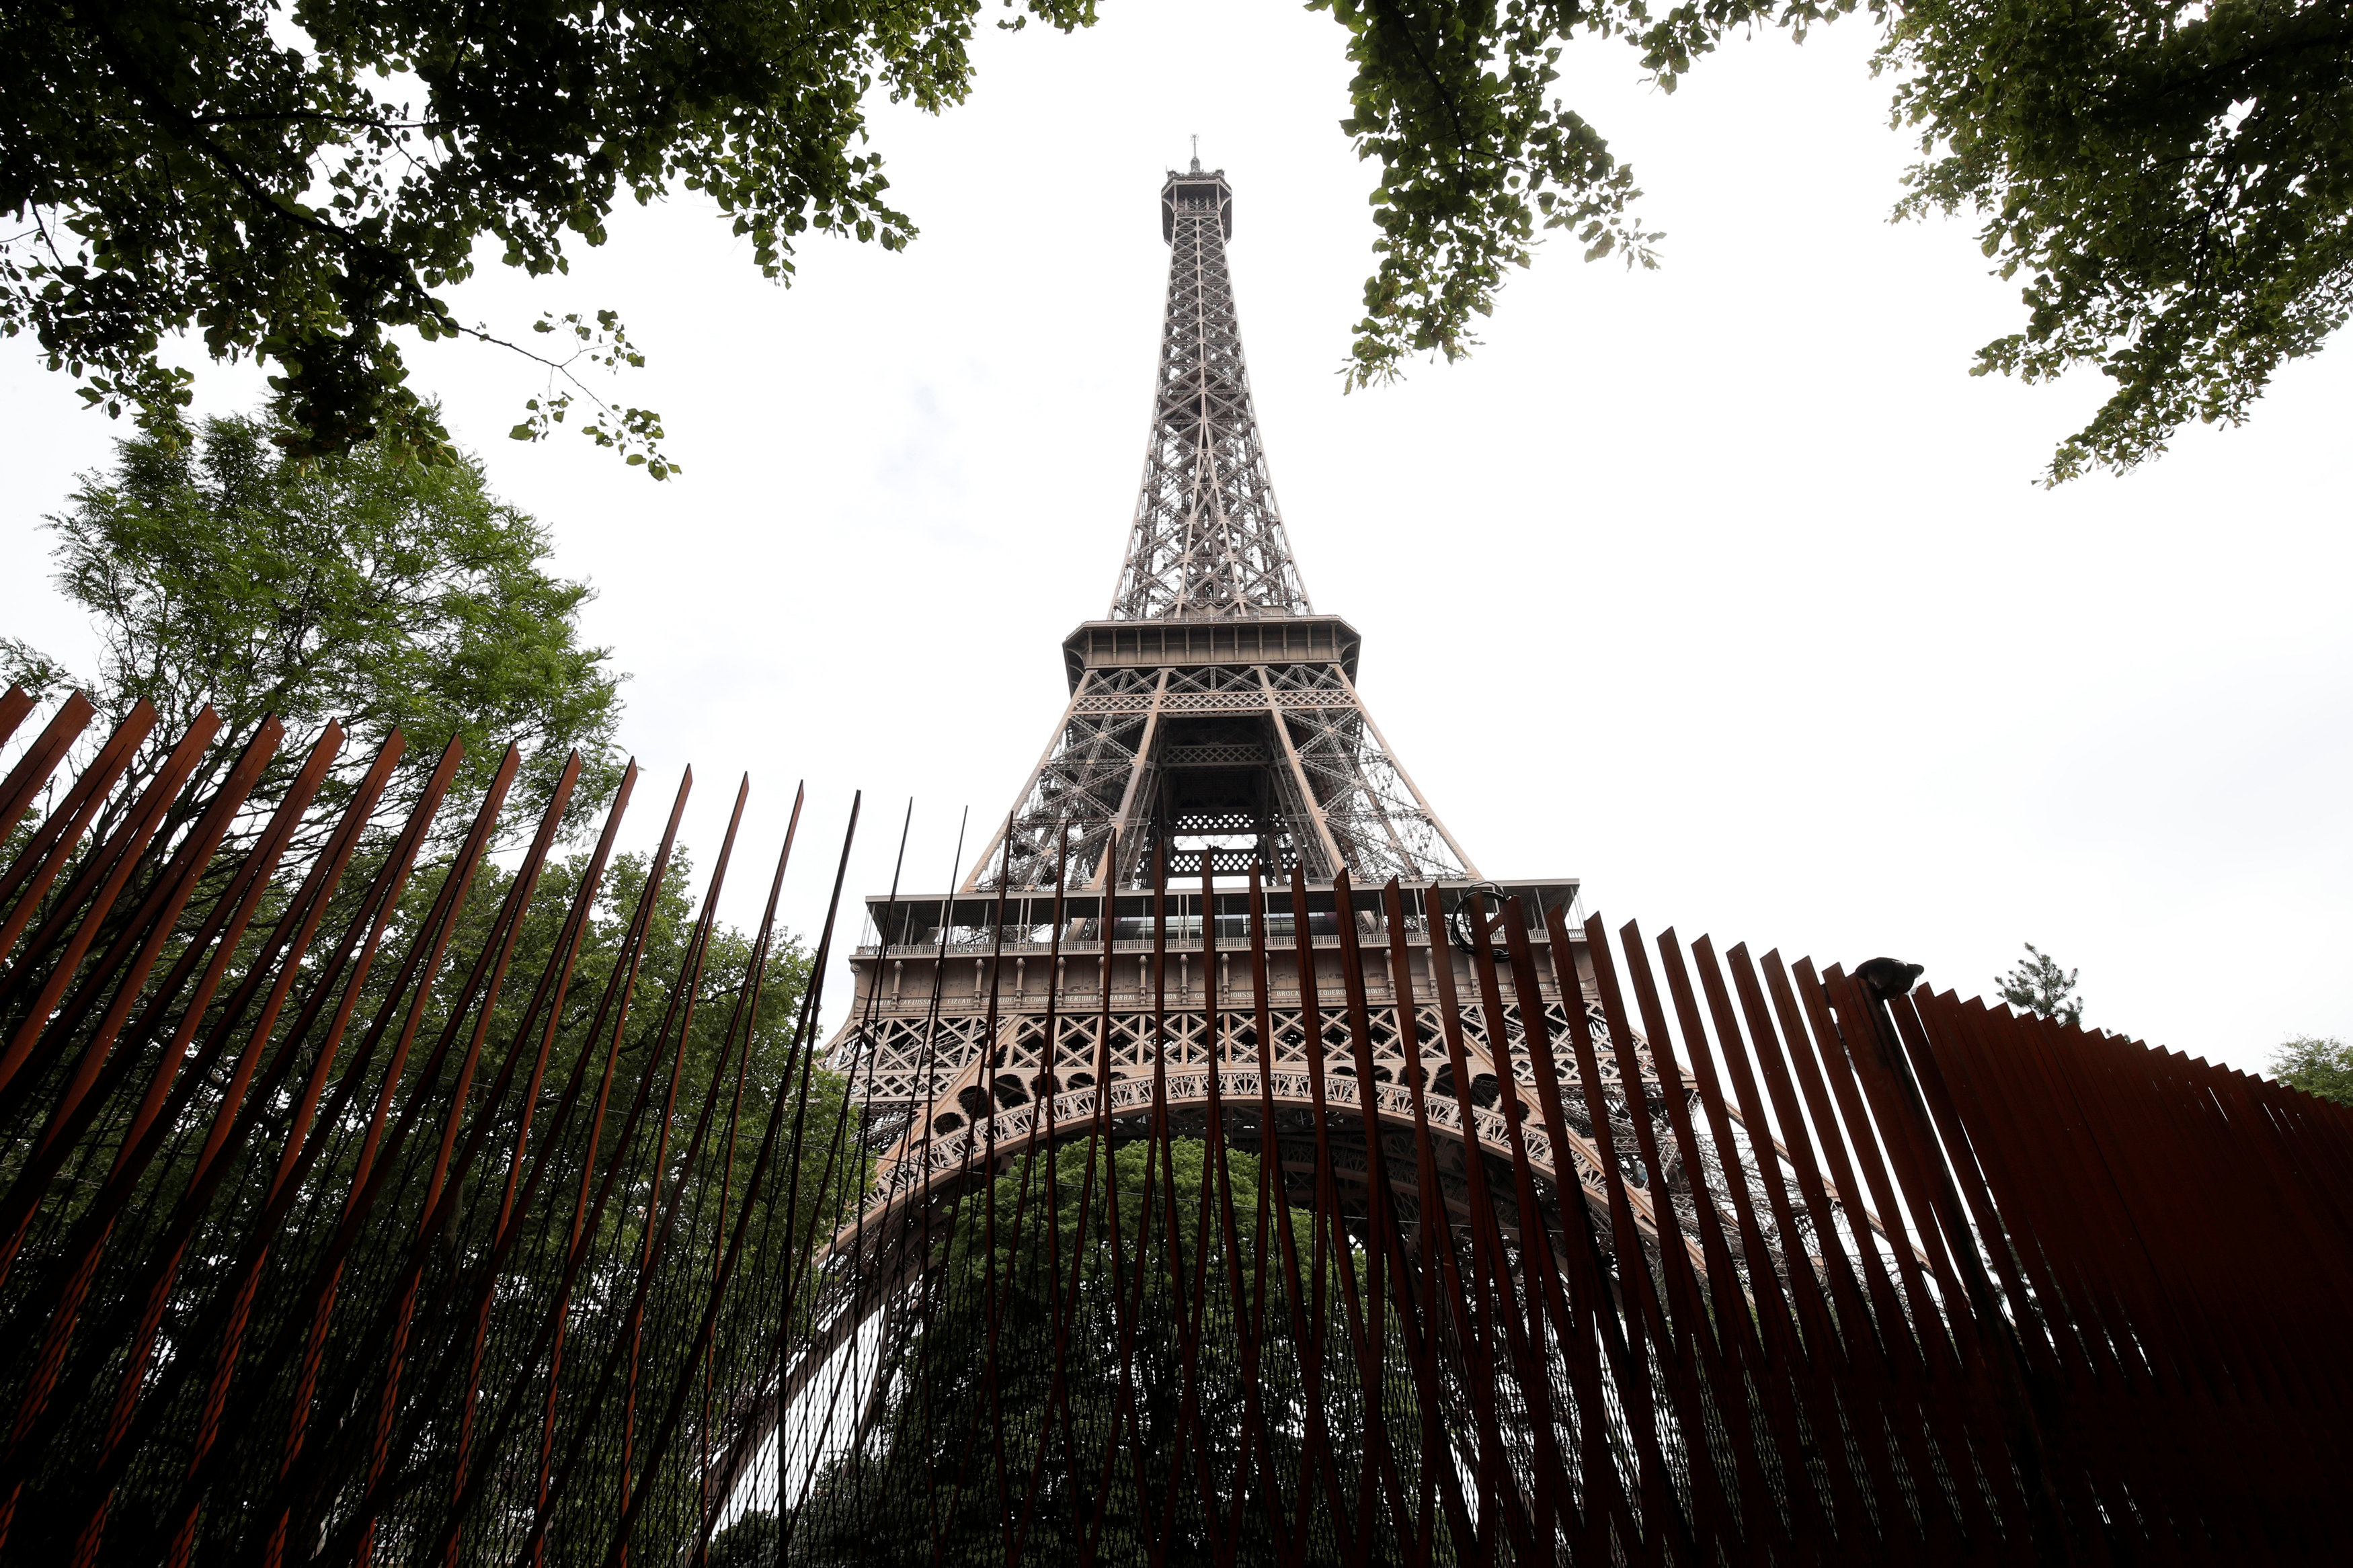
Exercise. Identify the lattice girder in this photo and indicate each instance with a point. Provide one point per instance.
(1334, 796)
(1208, 538)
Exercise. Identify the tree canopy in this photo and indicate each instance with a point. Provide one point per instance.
(2171, 184)
(379, 592)
(2038, 984)
(2316, 1064)
(975, 1439)
(299, 182)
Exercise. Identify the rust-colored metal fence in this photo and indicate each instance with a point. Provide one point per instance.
(370, 1195)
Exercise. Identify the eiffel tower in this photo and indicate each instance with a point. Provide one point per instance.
(1213, 737)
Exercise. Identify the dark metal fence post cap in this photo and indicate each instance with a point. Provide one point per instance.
(1889, 978)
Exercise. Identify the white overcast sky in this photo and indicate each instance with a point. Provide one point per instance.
(1723, 587)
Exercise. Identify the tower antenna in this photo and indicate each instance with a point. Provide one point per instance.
(1197, 152)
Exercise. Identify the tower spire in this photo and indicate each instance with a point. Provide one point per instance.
(1208, 541)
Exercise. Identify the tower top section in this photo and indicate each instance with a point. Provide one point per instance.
(1207, 542)
(1194, 191)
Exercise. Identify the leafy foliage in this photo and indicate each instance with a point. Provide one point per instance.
(300, 181)
(2174, 182)
(2318, 1065)
(381, 592)
(2038, 984)
(725, 965)
(928, 1490)
(1451, 102)
(746, 1544)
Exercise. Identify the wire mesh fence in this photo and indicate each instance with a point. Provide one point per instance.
(372, 1196)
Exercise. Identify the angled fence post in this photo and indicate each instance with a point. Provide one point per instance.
(1880, 980)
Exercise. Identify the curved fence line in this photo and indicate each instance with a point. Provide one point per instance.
(365, 1197)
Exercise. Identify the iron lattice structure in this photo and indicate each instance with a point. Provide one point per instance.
(1213, 716)
(1208, 537)
(977, 1007)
